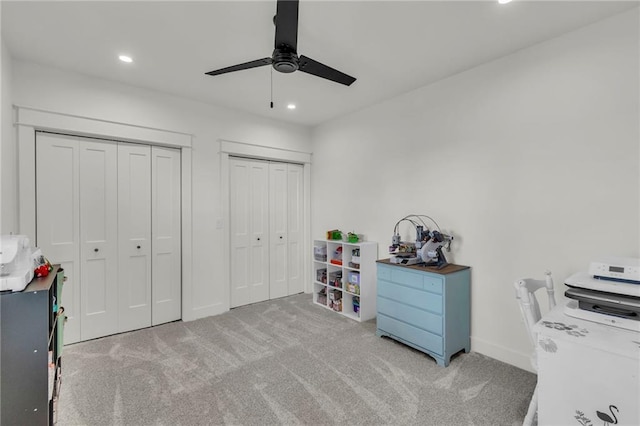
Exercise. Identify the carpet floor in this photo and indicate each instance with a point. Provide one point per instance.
(284, 361)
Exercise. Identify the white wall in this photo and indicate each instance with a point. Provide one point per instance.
(530, 161)
(59, 91)
(8, 172)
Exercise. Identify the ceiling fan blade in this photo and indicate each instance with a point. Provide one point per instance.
(287, 24)
(310, 66)
(245, 66)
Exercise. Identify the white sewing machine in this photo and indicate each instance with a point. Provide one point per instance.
(17, 258)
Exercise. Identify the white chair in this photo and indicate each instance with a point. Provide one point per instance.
(530, 309)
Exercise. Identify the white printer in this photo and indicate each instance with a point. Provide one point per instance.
(17, 258)
(609, 293)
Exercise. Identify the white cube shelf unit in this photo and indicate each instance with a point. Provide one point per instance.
(344, 277)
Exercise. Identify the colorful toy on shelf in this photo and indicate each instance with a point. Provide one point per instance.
(334, 234)
(337, 256)
(356, 304)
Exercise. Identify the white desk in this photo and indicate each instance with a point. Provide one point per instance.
(584, 368)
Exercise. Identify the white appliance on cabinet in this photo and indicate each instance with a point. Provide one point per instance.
(17, 258)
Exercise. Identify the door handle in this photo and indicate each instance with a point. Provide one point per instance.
(258, 238)
(138, 247)
(280, 236)
(95, 249)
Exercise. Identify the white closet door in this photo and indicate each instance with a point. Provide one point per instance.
(134, 236)
(295, 228)
(249, 227)
(98, 238)
(166, 256)
(58, 224)
(278, 212)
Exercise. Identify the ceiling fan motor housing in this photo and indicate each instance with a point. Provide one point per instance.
(284, 60)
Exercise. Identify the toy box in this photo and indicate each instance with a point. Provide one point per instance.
(321, 275)
(353, 288)
(335, 295)
(336, 305)
(322, 297)
(320, 253)
(335, 279)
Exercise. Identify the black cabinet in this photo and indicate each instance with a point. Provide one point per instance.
(31, 326)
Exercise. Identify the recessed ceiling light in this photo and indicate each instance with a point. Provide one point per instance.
(125, 58)
(504, 1)
(291, 106)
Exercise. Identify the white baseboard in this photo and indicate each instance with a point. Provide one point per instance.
(517, 359)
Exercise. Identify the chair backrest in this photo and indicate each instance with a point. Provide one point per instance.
(529, 307)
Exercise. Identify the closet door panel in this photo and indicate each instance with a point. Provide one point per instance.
(134, 236)
(166, 255)
(259, 211)
(295, 228)
(249, 227)
(240, 226)
(278, 210)
(58, 224)
(98, 238)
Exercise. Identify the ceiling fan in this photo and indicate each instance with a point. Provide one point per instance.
(285, 57)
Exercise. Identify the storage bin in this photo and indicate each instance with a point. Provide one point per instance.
(320, 253)
(335, 279)
(321, 275)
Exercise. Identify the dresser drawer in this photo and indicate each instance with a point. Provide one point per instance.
(409, 296)
(409, 314)
(411, 334)
(433, 284)
(384, 272)
(406, 278)
(411, 279)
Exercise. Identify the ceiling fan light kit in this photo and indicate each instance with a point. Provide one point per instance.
(285, 57)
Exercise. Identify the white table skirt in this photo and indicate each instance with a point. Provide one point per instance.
(588, 373)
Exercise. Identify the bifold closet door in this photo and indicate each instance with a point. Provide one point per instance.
(278, 226)
(249, 227)
(57, 221)
(166, 242)
(285, 229)
(77, 226)
(295, 229)
(134, 236)
(98, 238)
(266, 223)
(109, 213)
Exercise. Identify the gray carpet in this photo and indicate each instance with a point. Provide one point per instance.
(284, 361)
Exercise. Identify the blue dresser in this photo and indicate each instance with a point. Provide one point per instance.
(425, 308)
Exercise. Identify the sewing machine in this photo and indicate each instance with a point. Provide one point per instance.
(17, 258)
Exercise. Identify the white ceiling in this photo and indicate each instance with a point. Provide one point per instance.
(391, 47)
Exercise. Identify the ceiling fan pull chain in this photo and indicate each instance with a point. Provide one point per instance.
(271, 87)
